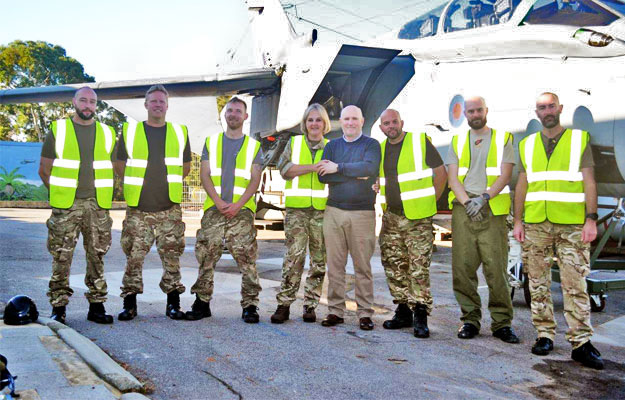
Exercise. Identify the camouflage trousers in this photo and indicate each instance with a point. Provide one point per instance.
(64, 227)
(574, 263)
(139, 232)
(303, 227)
(406, 247)
(239, 234)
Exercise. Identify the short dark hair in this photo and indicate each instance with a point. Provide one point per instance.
(236, 99)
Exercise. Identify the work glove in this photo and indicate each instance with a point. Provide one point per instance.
(474, 206)
(478, 217)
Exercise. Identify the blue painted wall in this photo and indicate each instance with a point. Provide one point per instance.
(25, 158)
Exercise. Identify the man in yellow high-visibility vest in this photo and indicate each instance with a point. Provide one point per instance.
(76, 167)
(154, 157)
(555, 208)
(412, 178)
(230, 172)
(480, 165)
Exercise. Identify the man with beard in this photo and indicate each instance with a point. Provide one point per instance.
(153, 157)
(76, 168)
(412, 178)
(230, 172)
(556, 195)
(480, 164)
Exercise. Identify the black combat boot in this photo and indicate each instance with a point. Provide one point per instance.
(588, 356)
(542, 347)
(173, 306)
(200, 309)
(281, 315)
(250, 315)
(401, 319)
(421, 329)
(130, 308)
(98, 314)
(58, 314)
(309, 314)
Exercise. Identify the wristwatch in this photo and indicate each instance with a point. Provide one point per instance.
(486, 196)
(593, 216)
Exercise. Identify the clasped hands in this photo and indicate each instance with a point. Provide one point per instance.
(228, 210)
(474, 206)
(325, 167)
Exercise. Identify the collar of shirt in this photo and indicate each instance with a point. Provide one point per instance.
(349, 141)
(556, 138)
(318, 146)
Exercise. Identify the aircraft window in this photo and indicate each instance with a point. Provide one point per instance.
(469, 14)
(422, 26)
(569, 12)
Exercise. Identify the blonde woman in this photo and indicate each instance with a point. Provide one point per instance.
(305, 204)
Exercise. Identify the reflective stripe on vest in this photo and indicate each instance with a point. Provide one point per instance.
(555, 188)
(500, 204)
(66, 165)
(305, 191)
(414, 176)
(242, 170)
(136, 143)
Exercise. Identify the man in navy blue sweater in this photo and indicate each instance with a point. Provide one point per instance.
(349, 219)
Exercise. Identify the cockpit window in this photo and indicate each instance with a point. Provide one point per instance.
(469, 14)
(617, 5)
(569, 12)
(422, 26)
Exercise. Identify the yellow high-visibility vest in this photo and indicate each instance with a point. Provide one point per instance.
(500, 204)
(555, 188)
(242, 170)
(136, 144)
(416, 187)
(66, 165)
(305, 190)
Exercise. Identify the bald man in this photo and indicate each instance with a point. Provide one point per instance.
(76, 168)
(480, 165)
(412, 178)
(556, 216)
(349, 217)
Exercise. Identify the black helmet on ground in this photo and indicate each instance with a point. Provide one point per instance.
(20, 310)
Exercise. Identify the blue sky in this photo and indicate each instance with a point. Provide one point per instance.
(117, 40)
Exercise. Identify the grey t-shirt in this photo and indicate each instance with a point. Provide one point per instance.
(230, 150)
(85, 135)
(475, 181)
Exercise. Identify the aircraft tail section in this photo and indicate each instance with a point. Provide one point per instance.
(273, 34)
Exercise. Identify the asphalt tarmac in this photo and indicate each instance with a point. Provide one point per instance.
(223, 358)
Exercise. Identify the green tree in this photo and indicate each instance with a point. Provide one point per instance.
(37, 63)
(221, 102)
(9, 182)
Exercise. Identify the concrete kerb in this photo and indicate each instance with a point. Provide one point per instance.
(97, 359)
